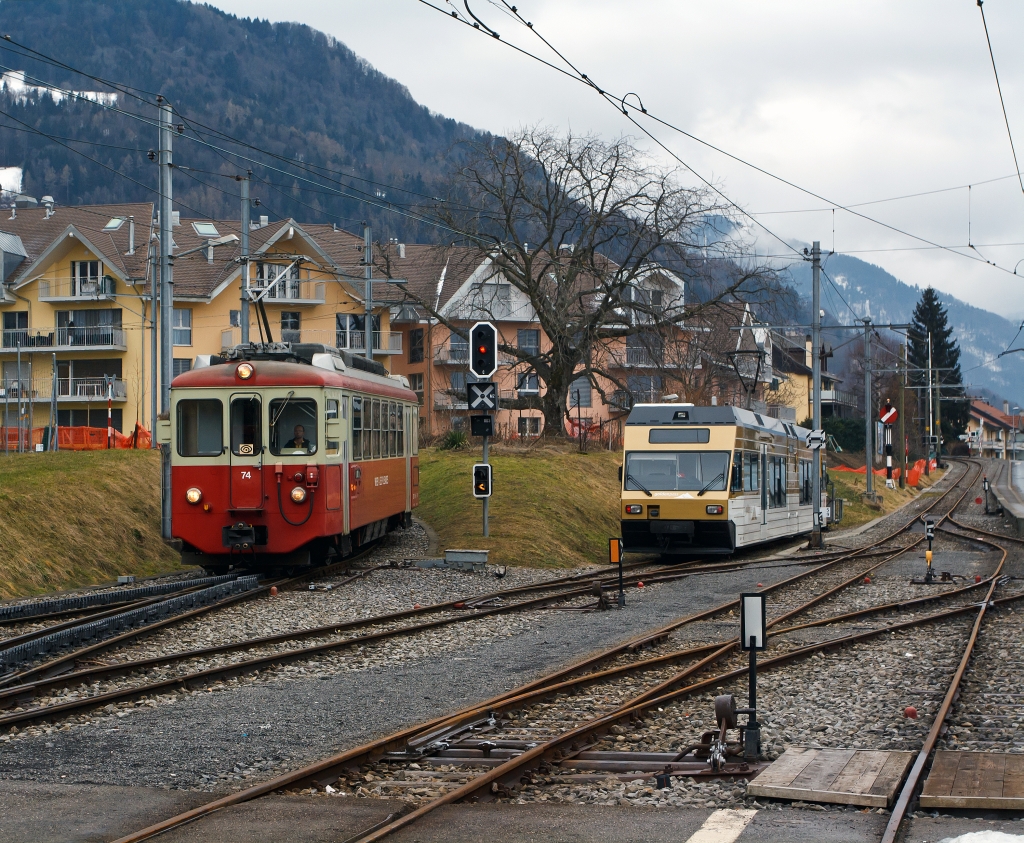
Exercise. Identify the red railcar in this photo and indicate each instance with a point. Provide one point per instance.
(285, 454)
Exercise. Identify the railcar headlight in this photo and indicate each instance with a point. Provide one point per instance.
(244, 371)
(298, 494)
(194, 495)
(714, 509)
(634, 509)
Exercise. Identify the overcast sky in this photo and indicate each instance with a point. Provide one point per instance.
(857, 101)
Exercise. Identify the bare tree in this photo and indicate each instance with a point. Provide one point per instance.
(572, 231)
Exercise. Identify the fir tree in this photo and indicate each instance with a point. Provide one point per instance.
(930, 317)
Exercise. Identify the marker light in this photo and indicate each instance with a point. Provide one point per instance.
(194, 495)
(634, 509)
(244, 371)
(714, 509)
(298, 494)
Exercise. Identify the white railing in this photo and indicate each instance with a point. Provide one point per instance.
(639, 358)
(57, 339)
(447, 354)
(68, 389)
(72, 289)
(384, 342)
(284, 290)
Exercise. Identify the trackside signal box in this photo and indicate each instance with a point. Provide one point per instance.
(482, 480)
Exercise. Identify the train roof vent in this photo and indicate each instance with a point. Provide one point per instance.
(760, 421)
(356, 362)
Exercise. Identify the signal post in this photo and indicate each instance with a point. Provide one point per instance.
(483, 396)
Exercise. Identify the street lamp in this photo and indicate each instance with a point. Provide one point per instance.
(1014, 417)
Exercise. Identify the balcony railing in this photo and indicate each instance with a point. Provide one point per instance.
(782, 412)
(290, 291)
(384, 342)
(63, 339)
(451, 400)
(453, 355)
(76, 289)
(68, 389)
(623, 399)
(839, 396)
(636, 358)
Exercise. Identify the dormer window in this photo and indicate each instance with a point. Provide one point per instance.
(85, 278)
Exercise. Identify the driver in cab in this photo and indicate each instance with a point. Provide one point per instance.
(299, 442)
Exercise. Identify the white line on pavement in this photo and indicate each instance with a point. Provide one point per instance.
(723, 826)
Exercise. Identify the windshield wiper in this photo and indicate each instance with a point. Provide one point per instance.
(273, 421)
(721, 476)
(637, 483)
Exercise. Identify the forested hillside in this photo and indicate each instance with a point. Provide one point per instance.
(285, 88)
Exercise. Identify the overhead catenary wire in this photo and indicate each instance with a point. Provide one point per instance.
(620, 104)
(999, 88)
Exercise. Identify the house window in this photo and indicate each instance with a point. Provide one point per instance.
(85, 278)
(458, 381)
(579, 392)
(459, 349)
(290, 326)
(350, 330)
(180, 365)
(416, 385)
(528, 341)
(15, 328)
(529, 426)
(235, 318)
(529, 383)
(181, 323)
(416, 345)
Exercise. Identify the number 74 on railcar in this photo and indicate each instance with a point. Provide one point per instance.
(709, 480)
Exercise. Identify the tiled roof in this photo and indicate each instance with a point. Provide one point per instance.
(37, 233)
(990, 413)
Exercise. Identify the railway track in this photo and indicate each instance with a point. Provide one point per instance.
(497, 769)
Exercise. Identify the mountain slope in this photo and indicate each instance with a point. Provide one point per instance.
(286, 88)
(874, 293)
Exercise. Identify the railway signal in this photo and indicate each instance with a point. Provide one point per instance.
(481, 425)
(483, 349)
(816, 440)
(888, 416)
(753, 628)
(481, 480)
(482, 396)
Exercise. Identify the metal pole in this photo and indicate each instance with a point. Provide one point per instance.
(816, 540)
(487, 531)
(869, 462)
(30, 445)
(938, 420)
(54, 442)
(931, 413)
(368, 326)
(902, 429)
(166, 310)
(110, 404)
(20, 403)
(244, 313)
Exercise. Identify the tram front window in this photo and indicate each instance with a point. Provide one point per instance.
(293, 423)
(200, 427)
(677, 471)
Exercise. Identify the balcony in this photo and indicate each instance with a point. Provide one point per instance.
(451, 355)
(451, 400)
(623, 399)
(76, 289)
(90, 390)
(635, 358)
(384, 342)
(290, 291)
(95, 338)
(839, 396)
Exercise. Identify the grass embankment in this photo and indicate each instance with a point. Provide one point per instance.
(79, 518)
(851, 487)
(552, 507)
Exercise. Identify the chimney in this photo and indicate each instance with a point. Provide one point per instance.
(131, 235)
(48, 204)
(264, 222)
(1006, 408)
(401, 250)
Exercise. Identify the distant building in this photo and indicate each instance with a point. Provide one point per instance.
(994, 433)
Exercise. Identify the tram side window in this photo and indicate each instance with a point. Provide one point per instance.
(357, 427)
(200, 427)
(393, 429)
(776, 482)
(246, 430)
(332, 414)
(752, 473)
(806, 478)
(293, 426)
(401, 430)
(376, 428)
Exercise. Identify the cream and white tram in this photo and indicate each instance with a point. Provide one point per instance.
(709, 480)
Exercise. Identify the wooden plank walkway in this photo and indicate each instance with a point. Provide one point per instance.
(843, 776)
(975, 780)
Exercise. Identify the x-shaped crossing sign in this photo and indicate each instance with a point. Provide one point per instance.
(482, 396)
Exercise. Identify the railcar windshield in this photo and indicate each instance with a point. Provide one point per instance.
(676, 471)
(293, 428)
(200, 427)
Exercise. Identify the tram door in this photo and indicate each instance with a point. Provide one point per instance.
(246, 453)
(764, 484)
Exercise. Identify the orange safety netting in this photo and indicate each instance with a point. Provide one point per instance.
(914, 472)
(75, 438)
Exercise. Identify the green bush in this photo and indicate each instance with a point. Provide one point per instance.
(454, 440)
(849, 433)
